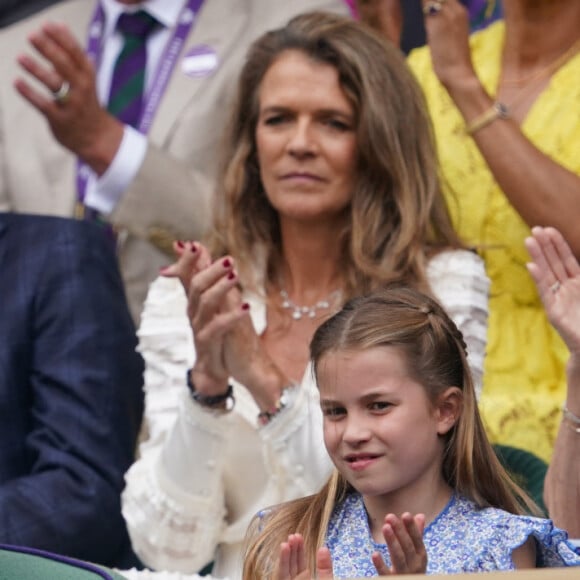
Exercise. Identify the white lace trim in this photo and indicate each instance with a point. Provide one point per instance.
(180, 539)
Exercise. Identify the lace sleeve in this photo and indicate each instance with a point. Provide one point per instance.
(173, 501)
(459, 281)
(295, 442)
(166, 344)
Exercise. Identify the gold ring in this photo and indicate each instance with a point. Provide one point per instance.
(61, 95)
(555, 286)
(433, 7)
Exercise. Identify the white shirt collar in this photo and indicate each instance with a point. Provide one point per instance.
(165, 11)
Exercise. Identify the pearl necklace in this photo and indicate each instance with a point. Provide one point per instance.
(309, 311)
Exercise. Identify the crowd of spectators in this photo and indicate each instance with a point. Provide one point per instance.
(190, 188)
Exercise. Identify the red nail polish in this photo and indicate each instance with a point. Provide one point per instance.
(231, 276)
(226, 263)
(193, 248)
(180, 244)
(245, 306)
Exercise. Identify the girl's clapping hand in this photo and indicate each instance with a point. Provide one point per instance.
(292, 563)
(404, 538)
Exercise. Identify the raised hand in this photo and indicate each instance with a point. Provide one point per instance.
(404, 538)
(226, 342)
(447, 27)
(214, 308)
(384, 15)
(556, 273)
(76, 118)
(250, 364)
(192, 257)
(292, 563)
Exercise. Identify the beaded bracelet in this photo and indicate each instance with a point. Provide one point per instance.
(211, 401)
(264, 417)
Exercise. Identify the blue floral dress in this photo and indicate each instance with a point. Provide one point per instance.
(462, 538)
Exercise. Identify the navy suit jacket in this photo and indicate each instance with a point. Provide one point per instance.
(71, 398)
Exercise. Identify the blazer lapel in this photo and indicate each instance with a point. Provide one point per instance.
(216, 28)
(5, 220)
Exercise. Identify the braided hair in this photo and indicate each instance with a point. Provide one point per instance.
(436, 356)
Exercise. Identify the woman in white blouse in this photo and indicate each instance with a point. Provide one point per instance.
(330, 189)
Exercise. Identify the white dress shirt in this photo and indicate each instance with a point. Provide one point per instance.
(104, 193)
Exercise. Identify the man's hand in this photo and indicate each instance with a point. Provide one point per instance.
(76, 118)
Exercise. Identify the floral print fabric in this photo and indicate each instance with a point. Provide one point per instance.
(462, 538)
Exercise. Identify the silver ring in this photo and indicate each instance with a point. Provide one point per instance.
(433, 7)
(555, 286)
(61, 95)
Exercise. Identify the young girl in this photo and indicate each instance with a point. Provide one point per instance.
(402, 428)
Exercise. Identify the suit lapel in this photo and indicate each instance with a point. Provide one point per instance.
(5, 220)
(216, 28)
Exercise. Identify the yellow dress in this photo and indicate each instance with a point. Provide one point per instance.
(524, 374)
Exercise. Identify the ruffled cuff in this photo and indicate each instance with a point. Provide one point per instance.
(553, 550)
(170, 529)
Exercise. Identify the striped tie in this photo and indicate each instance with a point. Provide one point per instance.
(126, 94)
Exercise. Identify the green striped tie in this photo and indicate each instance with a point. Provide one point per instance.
(128, 81)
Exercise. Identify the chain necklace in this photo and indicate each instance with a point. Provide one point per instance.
(526, 85)
(297, 312)
(547, 70)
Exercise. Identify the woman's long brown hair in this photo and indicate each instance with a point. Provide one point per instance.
(397, 217)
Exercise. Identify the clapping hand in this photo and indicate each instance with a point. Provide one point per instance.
(404, 538)
(214, 308)
(225, 340)
(556, 273)
(292, 561)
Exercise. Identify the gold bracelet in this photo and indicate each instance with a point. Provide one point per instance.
(497, 111)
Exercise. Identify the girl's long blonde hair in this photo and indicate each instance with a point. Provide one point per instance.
(436, 356)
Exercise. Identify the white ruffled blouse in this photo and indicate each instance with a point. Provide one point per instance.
(202, 475)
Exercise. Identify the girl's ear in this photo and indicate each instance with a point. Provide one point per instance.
(448, 409)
